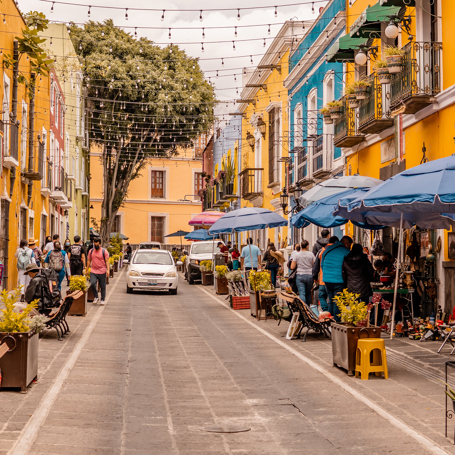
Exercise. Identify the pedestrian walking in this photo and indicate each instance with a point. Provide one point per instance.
(78, 256)
(66, 248)
(98, 261)
(128, 252)
(271, 262)
(37, 252)
(332, 264)
(58, 261)
(50, 245)
(321, 242)
(235, 255)
(250, 259)
(24, 256)
(318, 276)
(46, 241)
(292, 275)
(303, 261)
(358, 273)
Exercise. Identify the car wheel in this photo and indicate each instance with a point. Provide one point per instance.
(129, 290)
(190, 280)
(173, 291)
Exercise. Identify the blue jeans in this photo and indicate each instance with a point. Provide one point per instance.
(273, 272)
(323, 297)
(332, 290)
(304, 285)
(61, 275)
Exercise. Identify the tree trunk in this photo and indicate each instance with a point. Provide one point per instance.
(15, 80)
(31, 123)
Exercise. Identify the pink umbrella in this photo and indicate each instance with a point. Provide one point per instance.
(205, 218)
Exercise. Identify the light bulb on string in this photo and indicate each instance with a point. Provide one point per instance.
(264, 44)
(251, 58)
(135, 32)
(202, 47)
(200, 16)
(52, 7)
(203, 34)
(312, 7)
(235, 31)
(88, 12)
(268, 31)
(238, 14)
(126, 14)
(102, 32)
(233, 45)
(276, 11)
(170, 36)
(162, 16)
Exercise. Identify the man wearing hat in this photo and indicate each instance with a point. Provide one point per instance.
(36, 250)
(225, 250)
(33, 290)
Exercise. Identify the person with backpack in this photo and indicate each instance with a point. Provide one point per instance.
(24, 257)
(37, 253)
(98, 262)
(58, 261)
(50, 245)
(78, 256)
(41, 288)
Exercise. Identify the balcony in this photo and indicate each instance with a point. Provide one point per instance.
(345, 127)
(420, 80)
(251, 183)
(46, 183)
(11, 158)
(321, 158)
(60, 190)
(37, 166)
(374, 112)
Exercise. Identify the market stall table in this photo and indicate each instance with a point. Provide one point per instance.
(403, 293)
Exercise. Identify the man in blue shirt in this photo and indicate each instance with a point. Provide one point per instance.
(249, 252)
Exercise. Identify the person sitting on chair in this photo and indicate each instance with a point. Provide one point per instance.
(38, 288)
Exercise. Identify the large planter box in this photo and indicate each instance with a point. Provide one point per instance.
(90, 296)
(344, 344)
(20, 365)
(79, 306)
(221, 286)
(207, 278)
(115, 266)
(111, 273)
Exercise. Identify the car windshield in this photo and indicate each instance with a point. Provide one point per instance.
(153, 258)
(149, 246)
(201, 248)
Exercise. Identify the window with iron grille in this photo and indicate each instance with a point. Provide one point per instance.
(198, 182)
(116, 226)
(157, 184)
(157, 229)
(23, 226)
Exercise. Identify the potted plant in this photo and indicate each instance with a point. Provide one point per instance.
(394, 58)
(351, 97)
(335, 109)
(206, 273)
(361, 89)
(382, 70)
(328, 120)
(116, 259)
(18, 331)
(79, 306)
(353, 326)
(259, 281)
(230, 174)
(221, 284)
(111, 267)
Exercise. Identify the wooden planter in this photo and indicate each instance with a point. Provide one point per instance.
(111, 273)
(20, 365)
(79, 305)
(207, 278)
(344, 344)
(90, 296)
(115, 266)
(221, 286)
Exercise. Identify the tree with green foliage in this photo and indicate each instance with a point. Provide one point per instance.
(144, 101)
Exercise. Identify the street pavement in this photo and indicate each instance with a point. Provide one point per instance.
(152, 373)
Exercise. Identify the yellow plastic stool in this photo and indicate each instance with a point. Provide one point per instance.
(371, 358)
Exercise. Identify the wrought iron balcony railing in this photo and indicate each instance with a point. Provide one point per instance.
(420, 80)
(345, 128)
(251, 183)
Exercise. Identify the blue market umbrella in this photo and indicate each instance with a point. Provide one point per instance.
(199, 234)
(122, 236)
(321, 213)
(247, 219)
(425, 188)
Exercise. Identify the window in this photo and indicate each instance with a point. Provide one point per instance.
(157, 184)
(31, 226)
(56, 109)
(157, 229)
(23, 226)
(52, 93)
(198, 182)
(6, 118)
(78, 110)
(43, 229)
(117, 225)
(24, 136)
(160, 258)
(274, 144)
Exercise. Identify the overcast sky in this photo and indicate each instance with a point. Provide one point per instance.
(225, 84)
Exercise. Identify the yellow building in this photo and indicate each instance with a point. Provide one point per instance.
(24, 207)
(265, 126)
(409, 119)
(161, 201)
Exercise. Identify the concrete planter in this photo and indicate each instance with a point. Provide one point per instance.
(361, 92)
(221, 286)
(207, 278)
(352, 101)
(79, 306)
(344, 344)
(336, 112)
(20, 365)
(327, 119)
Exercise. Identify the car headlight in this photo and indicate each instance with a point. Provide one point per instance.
(134, 273)
(194, 261)
(171, 274)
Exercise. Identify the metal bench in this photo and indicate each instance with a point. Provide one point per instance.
(57, 318)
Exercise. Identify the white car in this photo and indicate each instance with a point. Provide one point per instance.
(152, 270)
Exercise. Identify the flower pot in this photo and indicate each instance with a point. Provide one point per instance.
(327, 119)
(79, 306)
(394, 63)
(20, 365)
(115, 266)
(221, 286)
(207, 278)
(353, 102)
(361, 92)
(344, 344)
(336, 112)
(230, 189)
(384, 75)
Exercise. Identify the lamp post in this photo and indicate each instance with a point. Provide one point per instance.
(284, 198)
(262, 127)
(250, 139)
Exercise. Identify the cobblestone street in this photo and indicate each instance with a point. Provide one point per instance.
(154, 373)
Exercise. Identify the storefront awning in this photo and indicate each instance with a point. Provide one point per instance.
(344, 49)
(410, 3)
(368, 24)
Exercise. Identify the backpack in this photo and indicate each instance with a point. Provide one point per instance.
(23, 259)
(281, 312)
(56, 260)
(76, 253)
(102, 251)
(47, 291)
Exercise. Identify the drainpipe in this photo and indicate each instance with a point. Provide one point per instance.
(31, 122)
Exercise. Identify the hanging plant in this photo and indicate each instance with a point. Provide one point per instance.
(361, 88)
(335, 109)
(328, 120)
(382, 70)
(394, 58)
(351, 97)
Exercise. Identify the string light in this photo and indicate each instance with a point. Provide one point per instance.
(170, 34)
(276, 11)
(268, 31)
(200, 16)
(135, 32)
(52, 7)
(264, 44)
(162, 16)
(312, 7)
(203, 34)
(222, 62)
(235, 31)
(233, 45)
(238, 14)
(202, 47)
(126, 14)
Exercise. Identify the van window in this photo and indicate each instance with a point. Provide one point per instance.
(203, 248)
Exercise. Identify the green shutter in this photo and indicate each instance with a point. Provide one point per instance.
(368, 24)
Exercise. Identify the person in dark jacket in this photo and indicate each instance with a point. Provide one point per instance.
(321, 242)
(358, 273)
